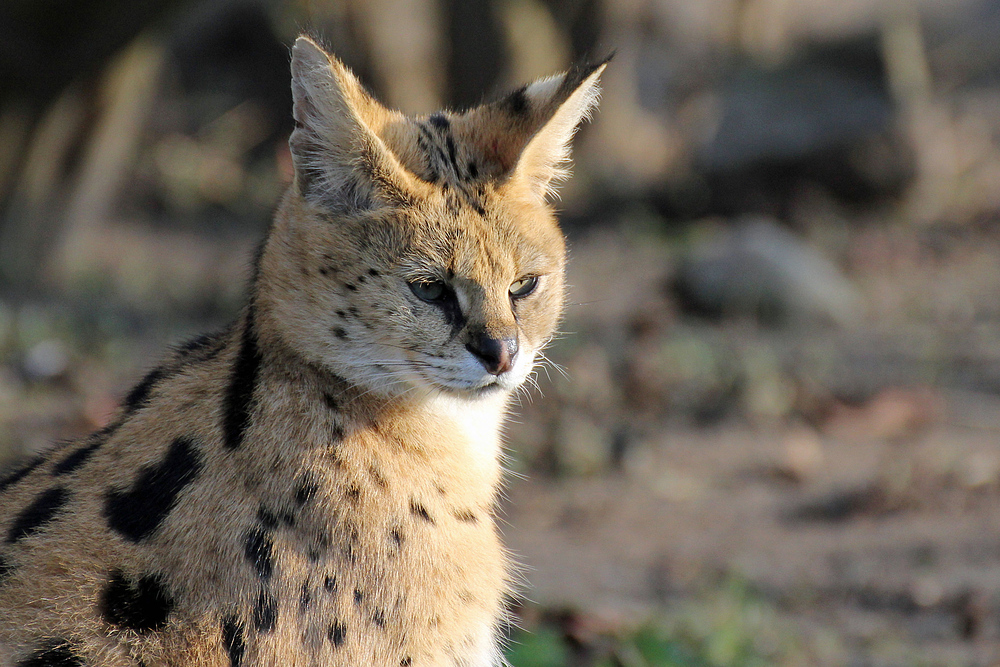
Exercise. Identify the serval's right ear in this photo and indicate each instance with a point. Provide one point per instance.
(340, 161)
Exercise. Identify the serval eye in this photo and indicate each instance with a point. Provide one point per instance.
(429, 290)
(523, 287)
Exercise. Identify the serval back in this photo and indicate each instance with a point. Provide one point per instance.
(315, 485)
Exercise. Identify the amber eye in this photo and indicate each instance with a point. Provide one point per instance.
(523, 287)
(429, 290)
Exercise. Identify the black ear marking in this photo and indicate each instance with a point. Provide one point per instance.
(517, 103)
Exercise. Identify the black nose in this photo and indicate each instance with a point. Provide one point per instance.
(496, 354)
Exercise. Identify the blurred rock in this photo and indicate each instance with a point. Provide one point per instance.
(45, 361)
(760, 269)
(825, 118)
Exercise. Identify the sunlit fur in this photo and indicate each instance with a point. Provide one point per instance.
(316, 484)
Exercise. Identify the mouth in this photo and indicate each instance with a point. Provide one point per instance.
(491, 386)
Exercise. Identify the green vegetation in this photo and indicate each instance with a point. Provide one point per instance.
(730, 626)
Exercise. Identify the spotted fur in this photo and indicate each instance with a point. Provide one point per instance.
(315, 485)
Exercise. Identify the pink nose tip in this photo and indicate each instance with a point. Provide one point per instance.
(495, 354)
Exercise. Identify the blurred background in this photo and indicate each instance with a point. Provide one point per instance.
(771, 432)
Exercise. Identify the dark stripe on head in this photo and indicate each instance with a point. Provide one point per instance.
(137, 513)
(42, 510)
(242, 382)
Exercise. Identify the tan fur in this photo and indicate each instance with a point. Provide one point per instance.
(316, 485)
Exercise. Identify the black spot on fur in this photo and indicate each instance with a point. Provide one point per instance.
(242, 382)
(258, 549)
(353, 493)
(374, 273)
(265, 612)
(473, 170)
(378, 618)
(270, 520)
(19, 473)
(38, 513)
(406, 662)
(419, 510)
(232, 640)
(353, 310)
(305, 491)
(5, 569)
(466, 516)
(340, 333)
(139, 396)
(397, 536)
(330, 584)
(267, 518)
(57, 655)
(337, 633)
(351, 286)
(305, 596)
(359, 597)
(137, 513)
(377, 477)
(439, 121)
(143, 606)
(330, 401)
(76, 459)
(517, 102)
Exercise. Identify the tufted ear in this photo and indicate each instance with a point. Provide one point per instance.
(526, 135)
(340, 161)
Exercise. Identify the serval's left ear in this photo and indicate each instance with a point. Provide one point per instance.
(527, 134)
